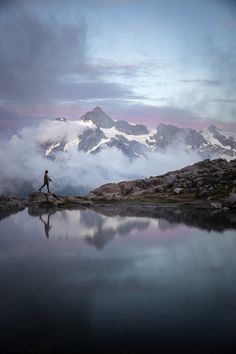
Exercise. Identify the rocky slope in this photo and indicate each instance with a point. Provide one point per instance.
(212, 182)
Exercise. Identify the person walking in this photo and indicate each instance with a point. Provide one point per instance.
(46, 180)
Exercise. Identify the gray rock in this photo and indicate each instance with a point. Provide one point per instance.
(170, 179)
(160, 189)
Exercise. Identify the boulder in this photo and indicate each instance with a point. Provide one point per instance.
(37, 197)
(178, 190)
(230, 201)
(159, 189)
(126, 187)
(170, 179)
(110, 188)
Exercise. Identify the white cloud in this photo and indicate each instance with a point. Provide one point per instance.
(23, 163)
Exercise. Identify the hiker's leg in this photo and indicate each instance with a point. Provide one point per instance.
(48, 187)
(42, 187)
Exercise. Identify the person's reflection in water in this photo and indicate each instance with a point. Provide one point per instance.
(47, 226)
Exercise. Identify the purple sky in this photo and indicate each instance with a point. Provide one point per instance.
(151, 62)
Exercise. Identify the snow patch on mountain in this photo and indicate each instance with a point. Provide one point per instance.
(72, 145)
(51, 147)
(211, 140)
(112, 132)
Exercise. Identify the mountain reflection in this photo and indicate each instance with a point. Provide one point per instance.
(98, 227)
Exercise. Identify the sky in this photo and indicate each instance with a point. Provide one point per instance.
(145, 61)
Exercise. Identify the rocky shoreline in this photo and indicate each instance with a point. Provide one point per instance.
(206, 184)
(11, 205)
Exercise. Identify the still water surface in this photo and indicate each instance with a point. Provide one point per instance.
(79, 281)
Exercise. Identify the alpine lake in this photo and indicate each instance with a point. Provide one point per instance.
(114, 280)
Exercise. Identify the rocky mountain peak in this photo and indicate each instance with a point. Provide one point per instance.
(212, 128)
(99, 118)
(169, 134)
(98, 109)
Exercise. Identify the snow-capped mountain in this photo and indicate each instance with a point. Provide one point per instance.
(96, 130)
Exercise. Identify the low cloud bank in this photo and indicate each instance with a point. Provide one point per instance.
(22, 163)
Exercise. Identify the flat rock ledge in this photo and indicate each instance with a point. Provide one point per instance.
(38, 201)
(48, 200)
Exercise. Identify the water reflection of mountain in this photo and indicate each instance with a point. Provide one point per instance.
(98, 227)
(105, 234)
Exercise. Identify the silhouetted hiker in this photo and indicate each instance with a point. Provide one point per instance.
(47, 226)
(46, 180)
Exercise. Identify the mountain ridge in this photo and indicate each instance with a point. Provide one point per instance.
(137, 140)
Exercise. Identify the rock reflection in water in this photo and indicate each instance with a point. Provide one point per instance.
(98, 227)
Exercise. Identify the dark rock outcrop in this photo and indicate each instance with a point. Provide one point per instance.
(129, 148)
(11, 205)
(90, 139)
(131, 129)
